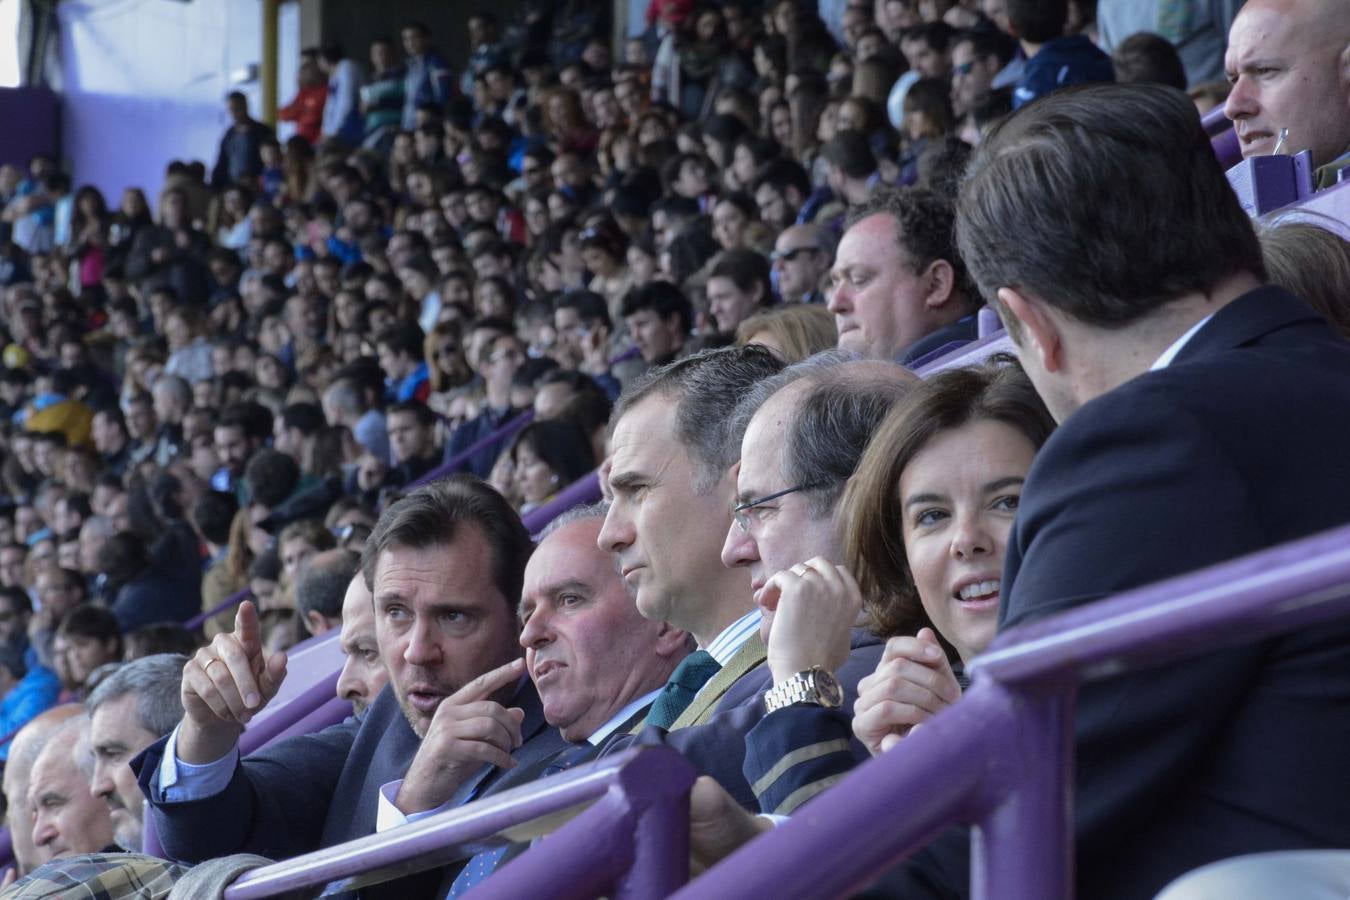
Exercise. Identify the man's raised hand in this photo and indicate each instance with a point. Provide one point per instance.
(225, 684)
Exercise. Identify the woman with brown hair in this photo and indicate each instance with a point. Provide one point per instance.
(928, 515)
(794, 332)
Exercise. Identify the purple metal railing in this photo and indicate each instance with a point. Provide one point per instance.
(630, 841)
(450, 466)
(198, 621)
(585, 489)
(1001, 758)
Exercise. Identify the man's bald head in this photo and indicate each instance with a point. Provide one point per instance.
(23, 752)
(67, 818)
(1289, 64)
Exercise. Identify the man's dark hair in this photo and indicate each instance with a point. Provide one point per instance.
(987, 42)
(1102, 261)
(1036, 21)
(212, 514)
(851, 153)
(156, 683)
(589, 407)
(271, 476)
(122, 557)
(90, 621)
(254, 419)
(1150, 58)
(941, 164)
(937, 34)
(11, 659)
(745, 268)
(925, 230)
(706, 388)
(307, 417)
(662, 298)
(783, 173)
(323, 582)
(590, 306)
(434, 515)
(425, 417)
(19, 601)
(402, 337)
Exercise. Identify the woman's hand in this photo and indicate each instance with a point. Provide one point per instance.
(912, 683)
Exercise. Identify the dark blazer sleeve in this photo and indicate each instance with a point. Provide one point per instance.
(795, 753)
(275, 804)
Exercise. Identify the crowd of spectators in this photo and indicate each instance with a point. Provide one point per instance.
(617, 250)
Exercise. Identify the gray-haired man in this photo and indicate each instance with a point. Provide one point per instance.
(129, 710)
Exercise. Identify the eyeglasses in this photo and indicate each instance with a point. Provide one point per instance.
(739, 512)
(964, 68)
(790, 255)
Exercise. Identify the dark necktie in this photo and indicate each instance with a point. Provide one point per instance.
(484, 864)
(690, 675)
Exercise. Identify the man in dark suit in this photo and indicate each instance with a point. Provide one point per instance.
(445, 565)
(1201, 419)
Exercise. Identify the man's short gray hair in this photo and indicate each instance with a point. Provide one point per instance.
(706, 387)
(323, 581)
(581, 513)
(833, 421)
(156, 681)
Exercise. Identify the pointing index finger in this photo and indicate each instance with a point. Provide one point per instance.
(246, 629)
(487, 684)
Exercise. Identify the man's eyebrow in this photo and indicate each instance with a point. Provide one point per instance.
(626, 479)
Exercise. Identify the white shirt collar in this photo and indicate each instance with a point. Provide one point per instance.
(620, 717)
(725, 645)
(1171, 352)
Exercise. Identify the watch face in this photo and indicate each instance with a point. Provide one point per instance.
(828, 689)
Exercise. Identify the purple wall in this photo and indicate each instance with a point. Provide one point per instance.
(32, 124)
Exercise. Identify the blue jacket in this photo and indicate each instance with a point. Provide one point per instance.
(1060, 63)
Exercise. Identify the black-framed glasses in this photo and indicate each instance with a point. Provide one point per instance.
(739, 512)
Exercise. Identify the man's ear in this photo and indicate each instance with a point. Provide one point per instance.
(939, 282)
(1039, 330)
(315, 622)
(671, 641)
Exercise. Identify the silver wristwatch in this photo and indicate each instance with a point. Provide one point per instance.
(815, 686)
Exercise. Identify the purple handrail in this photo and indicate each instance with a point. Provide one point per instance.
(585, 489)
(506, 432)
(1222, 137)
(196, 622)
(633, 841)
(1001, 758)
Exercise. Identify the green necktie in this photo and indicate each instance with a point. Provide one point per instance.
(690, 675)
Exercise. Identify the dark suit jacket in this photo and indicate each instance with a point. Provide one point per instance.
(311, 791)
(718, 748)
(1240, 444)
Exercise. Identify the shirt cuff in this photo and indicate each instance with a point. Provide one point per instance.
(388, 816)
(181, 781)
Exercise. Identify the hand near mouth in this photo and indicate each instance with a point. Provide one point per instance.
(466, 731)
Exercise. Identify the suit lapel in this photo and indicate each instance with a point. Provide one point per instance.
(751, 654)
